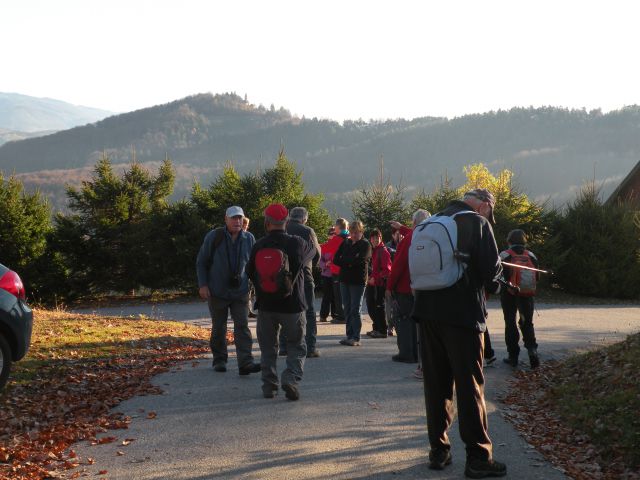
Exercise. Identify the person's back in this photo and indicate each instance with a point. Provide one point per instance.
(519, 301)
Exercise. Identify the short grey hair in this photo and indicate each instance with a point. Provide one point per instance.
(420, 216)
(299, 214)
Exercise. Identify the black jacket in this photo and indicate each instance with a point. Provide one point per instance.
(464, 304)
(299, 252)
(353, 260)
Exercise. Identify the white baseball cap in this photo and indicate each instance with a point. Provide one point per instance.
(234, 211)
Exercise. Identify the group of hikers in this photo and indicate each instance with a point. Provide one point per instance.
(430, 284)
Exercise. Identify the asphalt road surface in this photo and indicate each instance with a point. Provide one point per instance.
(360, 416)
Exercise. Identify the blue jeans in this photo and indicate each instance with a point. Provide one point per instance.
(352, 304)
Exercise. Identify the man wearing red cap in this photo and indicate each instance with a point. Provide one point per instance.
(276, 267)
(452, 321)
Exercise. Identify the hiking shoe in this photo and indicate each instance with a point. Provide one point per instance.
(439, 458)
(220, 367)
(375, 334)
(352, 342)
(344, 341)
(512, 361)
(250, 368)
(489, 360)
(313, 354)
(252, 315)
(477, 468)
(390, 332)
(324, 319)
(341, 321)
(534, 359)
(418, 373)
(291, 392)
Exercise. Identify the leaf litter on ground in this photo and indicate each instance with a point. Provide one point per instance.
(78, 368)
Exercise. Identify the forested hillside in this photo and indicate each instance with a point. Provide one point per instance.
(551, 150)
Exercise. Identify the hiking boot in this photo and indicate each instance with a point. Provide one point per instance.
(352, 342)
(439, 458)
(252, 315)
(477, 468)
(313, 354)
(220, 367)
(418, 373)
(390, 332)
(398, 358)
(534, 360)
(337, 320)
(512, 361)
(291, 392)
(250, 368)
(324, 319)
(489, 360)
(376, 334)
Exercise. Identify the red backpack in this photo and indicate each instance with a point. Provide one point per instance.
(272, 273)
(521, 277)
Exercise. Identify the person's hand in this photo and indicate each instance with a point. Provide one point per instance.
(371, 281)
(204, 293)
(395, 225)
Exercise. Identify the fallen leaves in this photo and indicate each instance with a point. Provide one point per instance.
(582, 413)
(64, 391)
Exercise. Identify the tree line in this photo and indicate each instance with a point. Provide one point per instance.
(123, 234)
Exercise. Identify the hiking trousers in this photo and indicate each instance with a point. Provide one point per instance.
(328, 304)
(219, 309)
(293, 325)
(511, 305)
(453, 355)
(406, 327)
(310, 315)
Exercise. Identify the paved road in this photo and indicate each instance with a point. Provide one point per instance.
(361, 416)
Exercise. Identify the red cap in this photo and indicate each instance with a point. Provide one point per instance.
(277, 212)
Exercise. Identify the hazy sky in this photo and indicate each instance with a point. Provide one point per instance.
(331, 59)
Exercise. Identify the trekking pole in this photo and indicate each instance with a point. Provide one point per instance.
(527, 268)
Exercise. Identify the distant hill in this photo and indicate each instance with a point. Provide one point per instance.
(22, 113)
(12, 136)
(553, 151)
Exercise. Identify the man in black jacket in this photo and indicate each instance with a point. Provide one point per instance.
(297, 226)
(452, 322)
(276, 311)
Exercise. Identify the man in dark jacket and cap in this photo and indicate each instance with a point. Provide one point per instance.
(452, 323)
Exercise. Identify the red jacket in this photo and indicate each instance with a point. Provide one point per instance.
(399, 280)
(331, 247)
(380, 265)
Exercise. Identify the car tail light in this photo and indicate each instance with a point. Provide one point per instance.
(11, 282)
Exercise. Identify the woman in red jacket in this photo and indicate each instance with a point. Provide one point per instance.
(379, 270)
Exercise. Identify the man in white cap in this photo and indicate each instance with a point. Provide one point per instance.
(222, 281)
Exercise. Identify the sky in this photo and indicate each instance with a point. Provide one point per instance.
(346, 59)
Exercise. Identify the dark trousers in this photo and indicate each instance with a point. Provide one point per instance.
(406, 328)
(337, 298)
(375, 307)
(328, 306)
(239, 308)
(453, 355)
(310, 315)
(488, 349)
(510, 306)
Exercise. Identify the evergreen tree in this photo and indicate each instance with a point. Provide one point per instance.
(376, 204)
(107, 242)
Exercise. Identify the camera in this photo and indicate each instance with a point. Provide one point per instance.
(234, 281)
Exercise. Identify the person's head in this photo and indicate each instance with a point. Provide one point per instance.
(340, 226)
(299, 214)
(331, 232)
(356, 228)
(420, 216)
(517, 237)
(276, 216)
(233, 219)
(396, 236)
(245, 223)
(375, 237)
(482, 201)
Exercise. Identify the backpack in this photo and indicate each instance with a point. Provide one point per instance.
(434, 261)
(273, 276)
(521, 277)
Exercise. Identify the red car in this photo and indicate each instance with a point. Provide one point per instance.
(16, 321)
